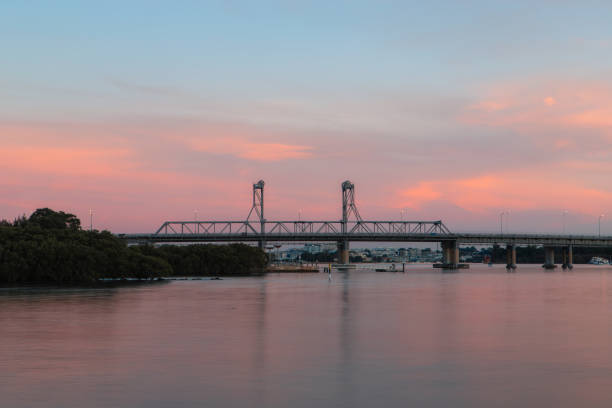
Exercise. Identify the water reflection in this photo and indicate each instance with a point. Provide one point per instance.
(476, 338)
(345, 337)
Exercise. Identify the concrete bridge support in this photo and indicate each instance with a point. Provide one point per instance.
(549, 258)
(450, 255)
(343, 252)
(568, 257)
(511, 257)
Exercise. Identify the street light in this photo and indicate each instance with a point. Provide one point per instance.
(90, 219)
(507, 221)
(599, 224)
(501, 220)
(564, 216)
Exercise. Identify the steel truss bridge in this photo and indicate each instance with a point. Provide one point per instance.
(221, 231)
(255, 228)
(386, 231)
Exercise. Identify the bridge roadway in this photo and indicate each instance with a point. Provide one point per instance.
(459, 238)
(365, 231)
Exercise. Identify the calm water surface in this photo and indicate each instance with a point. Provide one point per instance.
(481, 337)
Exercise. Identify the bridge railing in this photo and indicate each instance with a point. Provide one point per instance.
(300, 227)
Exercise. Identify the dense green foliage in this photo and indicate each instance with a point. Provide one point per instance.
(50, 246)
(206, 260)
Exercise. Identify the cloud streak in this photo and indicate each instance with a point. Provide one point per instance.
(259, 151)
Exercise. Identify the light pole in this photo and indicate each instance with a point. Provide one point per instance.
(501, 221)
(599, 225)
(564, 216)
(300, 215)
(90, 219)
(507, 221)
(195, 218)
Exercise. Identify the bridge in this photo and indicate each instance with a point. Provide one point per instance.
(352, 228)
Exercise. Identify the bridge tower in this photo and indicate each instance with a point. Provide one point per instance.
(258, 209)
(348, 208)
(348, 205)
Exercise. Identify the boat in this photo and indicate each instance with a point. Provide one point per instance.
(487, 259)
(391, 269)
(596, 260)
(344, 267)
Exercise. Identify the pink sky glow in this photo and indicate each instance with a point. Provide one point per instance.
(533, 148)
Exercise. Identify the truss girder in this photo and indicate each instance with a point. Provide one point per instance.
(307, 229)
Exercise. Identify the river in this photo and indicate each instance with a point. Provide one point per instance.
(477, 338)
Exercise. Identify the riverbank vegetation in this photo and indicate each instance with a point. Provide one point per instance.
(51, 246)
(208, 260)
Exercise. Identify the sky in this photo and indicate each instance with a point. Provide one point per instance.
(148, 111)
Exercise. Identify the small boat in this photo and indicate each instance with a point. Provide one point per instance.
(596, 260)
(344, 267)
(391, 269)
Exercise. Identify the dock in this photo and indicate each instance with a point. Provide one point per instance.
(292, 269)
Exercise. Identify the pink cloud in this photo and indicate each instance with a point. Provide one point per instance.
(68, 160)
(520, 190)
(242, 148)
(536, 104)
(550, 101)
(424, 192)
(595, 118)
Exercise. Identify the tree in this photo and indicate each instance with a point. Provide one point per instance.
(46, 218)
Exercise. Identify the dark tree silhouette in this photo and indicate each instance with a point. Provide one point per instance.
(50, 247)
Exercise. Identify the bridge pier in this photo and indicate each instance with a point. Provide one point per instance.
(450, 256)
(343, 252)
(511, 256)
(568, 257)
(549, 258)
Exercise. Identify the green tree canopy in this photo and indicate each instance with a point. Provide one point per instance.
(46, 218)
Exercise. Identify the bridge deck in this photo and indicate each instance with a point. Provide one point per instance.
(517, 239)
